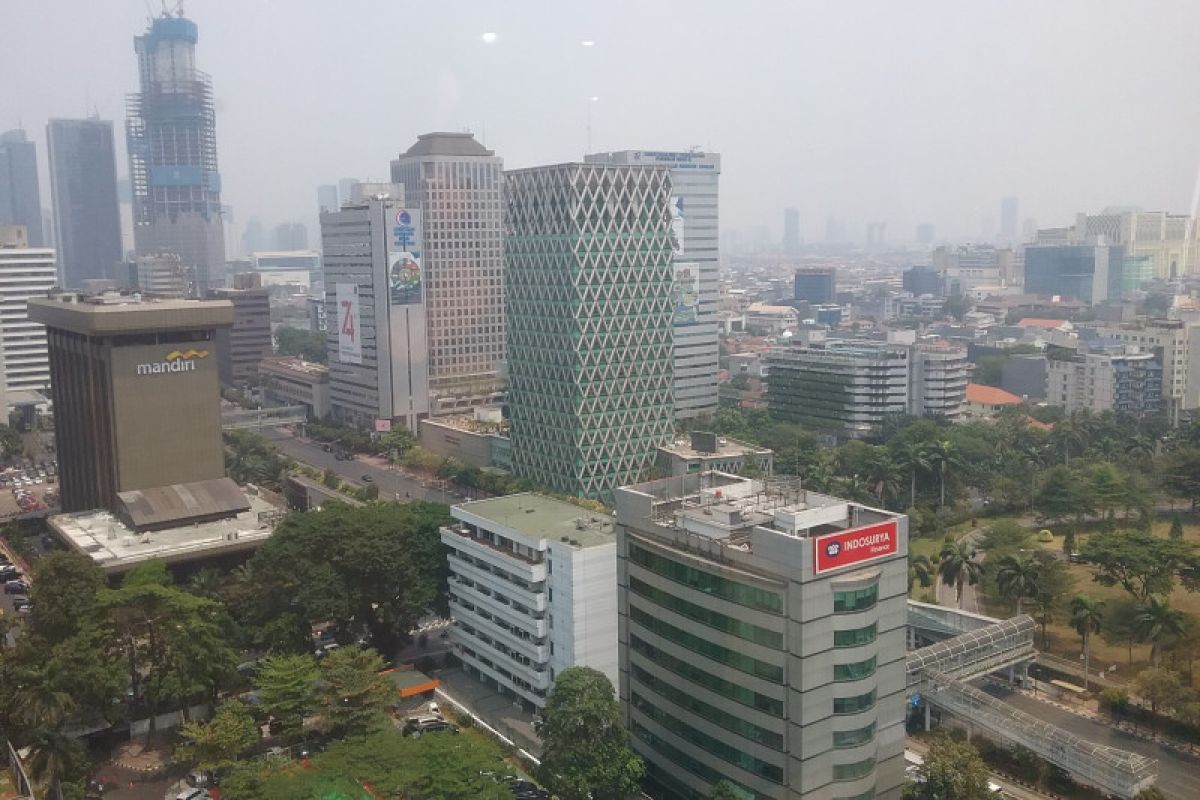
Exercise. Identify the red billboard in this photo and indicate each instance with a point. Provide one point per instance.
(844, 548)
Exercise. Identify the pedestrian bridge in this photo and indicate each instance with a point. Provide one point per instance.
(967, 646)
(274, 417)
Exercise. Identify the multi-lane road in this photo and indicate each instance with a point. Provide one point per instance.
(393, 484)
(1178, 773)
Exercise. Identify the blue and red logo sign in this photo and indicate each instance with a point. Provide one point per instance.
(403, 217)
(855, 546)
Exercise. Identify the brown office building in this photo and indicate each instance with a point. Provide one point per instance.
(137, 406)
(248, 341)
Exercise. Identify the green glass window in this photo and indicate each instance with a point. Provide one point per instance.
(677, 756)
(741, 593)
(853, 705)
(713, 619)
(764, 769)
(687, 671)
(855, 636)
(855, 599)
(716, 652)
(855, 737)
(852, 672)
(849, 772)
(729, 722)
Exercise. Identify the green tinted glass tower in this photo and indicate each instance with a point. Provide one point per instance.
(588, 273)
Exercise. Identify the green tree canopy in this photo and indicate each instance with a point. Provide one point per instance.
(286, 686)
(308, 345)
(951, 770)
(585, 749)
(217, 743)
(64, 594)
(355, 698)
(1140, 563)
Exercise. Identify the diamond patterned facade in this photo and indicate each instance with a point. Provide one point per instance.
(588, 273)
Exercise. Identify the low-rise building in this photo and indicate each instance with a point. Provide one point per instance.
(768, 320)
(294, 381)
(479, 439)
(706, 452)
(1123, 382)
(533, 590)
(985, 402)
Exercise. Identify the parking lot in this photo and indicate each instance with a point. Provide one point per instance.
(9, 598)
(29, 489)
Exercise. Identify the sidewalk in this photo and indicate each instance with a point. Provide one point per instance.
(498, 711)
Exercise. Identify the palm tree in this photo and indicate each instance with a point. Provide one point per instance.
(55, 756)
(1017, 578)
(914, 456)
(958, 566)
(1086, 617)
(920, 570)
(1156, 622)
(942, 453)
(881, 474)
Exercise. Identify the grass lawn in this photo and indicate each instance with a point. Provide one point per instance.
(1065, 642)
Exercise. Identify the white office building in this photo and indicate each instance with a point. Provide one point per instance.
(762, 638)
(25, 272)
(455, 182)
(375, 307)
(533, 590)
(694, 191)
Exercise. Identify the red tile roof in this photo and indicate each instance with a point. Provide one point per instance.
(990, 395)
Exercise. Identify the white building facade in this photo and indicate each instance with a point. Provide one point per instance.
(695, 179)
(533, 590)
(25, 272)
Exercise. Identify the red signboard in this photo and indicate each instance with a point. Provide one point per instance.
(841, 549)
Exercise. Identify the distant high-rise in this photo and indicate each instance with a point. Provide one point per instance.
(327, 197)
(589, 282)
(876, 234)
(171, 134)
(345, 190)
(292, 236)
(20, 197)
(456, 183)
(83, 184)
(25, 272)
(695, 179)
(1008, 219)
(925, 233)
(791, 231)
(815, 286)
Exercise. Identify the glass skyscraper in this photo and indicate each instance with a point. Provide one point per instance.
(83, 183)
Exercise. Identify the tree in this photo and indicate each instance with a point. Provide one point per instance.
(914, 456)
(951, 770)
(1158, 622)
(1017, 577)
(1120, 624)
(1087, 617)
(308, 345)
(920, 570)
(1159, 687)
(1055, 584)
(354, 696)
(286, 690)
(57, 758)
(330, 479)
(1176, 527)
(1062, 496)
(1138, 562)
(943, 453)
(64, 594)
(1150, 793)
(726, 790)
(958, 566)
(375, 569)
(217, 743)
(1180, 473)
(585, 750)
(1107, 488)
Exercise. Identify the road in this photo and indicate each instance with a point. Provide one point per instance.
(393, 485)
(1178, 774)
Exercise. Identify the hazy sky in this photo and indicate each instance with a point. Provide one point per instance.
(902, 111)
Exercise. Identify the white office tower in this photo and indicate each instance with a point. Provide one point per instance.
(694, 180)
(762, 638)
(533, 590)
(455, 182)
(376, 312)
(25, 272)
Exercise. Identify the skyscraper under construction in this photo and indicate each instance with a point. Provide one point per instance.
(171, 135)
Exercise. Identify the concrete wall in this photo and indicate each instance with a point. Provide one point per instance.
(474, 449)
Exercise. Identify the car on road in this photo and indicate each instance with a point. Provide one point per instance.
(368, 479)
(16, 587)
(194, 793)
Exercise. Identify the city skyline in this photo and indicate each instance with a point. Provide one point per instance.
(862, 148)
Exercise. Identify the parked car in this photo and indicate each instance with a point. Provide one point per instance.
(16, 587)
(194, 793)
(201, 779)
(368, 479)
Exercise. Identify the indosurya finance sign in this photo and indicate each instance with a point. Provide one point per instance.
(855, 546)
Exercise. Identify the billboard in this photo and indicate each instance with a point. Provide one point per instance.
(405, 277)
(349, 324)
(685, 293)
(855, 546)
(677, 225)
(383, 425)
